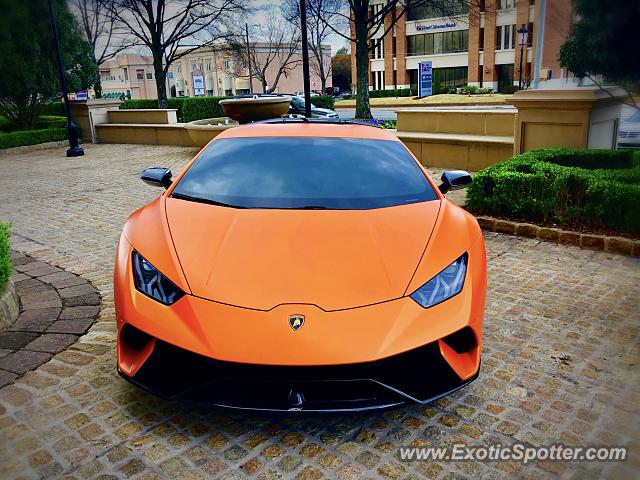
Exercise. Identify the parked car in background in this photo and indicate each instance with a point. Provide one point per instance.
(300, 93)
(629, 132)
(297, 108)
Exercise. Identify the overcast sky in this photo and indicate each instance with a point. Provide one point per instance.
(263, 6)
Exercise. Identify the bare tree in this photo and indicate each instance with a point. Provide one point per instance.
(102, 30)
(318, 30)
(369, 27)
(275, 54)
(172, 29)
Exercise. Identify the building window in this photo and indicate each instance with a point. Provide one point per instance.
(437, 43)
(140, 75)
(378, 49)
(506, 4)
(193, 66)
(209, 93)
(126, 74)
(149, 76)
(424, 12)
(208, 64)
(505, 37)
(178, 68)
(226, 65)
(444, 79)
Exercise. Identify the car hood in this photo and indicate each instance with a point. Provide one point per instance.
(334, 259)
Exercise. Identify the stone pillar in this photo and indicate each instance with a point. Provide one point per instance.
(563, 118)
(89, 113)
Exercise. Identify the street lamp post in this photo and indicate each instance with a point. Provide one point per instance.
(305, 59)
(74, 149)
(523, 38)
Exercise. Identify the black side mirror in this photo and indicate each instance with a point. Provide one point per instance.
(454, 180)
(157, 177)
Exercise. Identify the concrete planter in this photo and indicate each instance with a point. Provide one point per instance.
(246, 110)
(201, 134)
(9, 307)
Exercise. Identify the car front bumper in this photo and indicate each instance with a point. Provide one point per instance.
(418, 376)
(369, 357)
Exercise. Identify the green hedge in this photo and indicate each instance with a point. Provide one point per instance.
(53, 108)
(32, 137)
(43, 122)
(189, 108)
(324, 101)
(598, 188)
(5, 256)
(394, 92)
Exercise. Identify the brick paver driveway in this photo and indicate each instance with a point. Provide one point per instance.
(560, 361)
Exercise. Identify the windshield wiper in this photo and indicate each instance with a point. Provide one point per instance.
(182, 196)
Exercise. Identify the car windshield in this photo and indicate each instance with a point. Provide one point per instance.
(297, 102)
(305, 173)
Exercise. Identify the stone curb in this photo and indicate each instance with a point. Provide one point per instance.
(54, 308)
(612, 244)
(9, 307)
(37, 146)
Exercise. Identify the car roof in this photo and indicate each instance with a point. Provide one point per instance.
(308, 129)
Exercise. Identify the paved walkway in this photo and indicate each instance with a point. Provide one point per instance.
(560, 361)
(56, 307)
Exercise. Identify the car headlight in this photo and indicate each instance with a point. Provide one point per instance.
(444, 285)
(152, 283)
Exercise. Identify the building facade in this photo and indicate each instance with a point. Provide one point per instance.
(215, 71)
(128, 75)
(479, 47)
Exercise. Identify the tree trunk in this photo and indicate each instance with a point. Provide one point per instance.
(161, 79)
(361, 16)
(97, 87)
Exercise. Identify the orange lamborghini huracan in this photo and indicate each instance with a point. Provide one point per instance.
(301, 265)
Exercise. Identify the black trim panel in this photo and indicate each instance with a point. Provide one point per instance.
(420, 375)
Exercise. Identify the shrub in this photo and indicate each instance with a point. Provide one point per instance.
(42, 122)
(394, 92)
(189, 108)
(5, 256)
(598, 188)
(32, 137)
(324, 101)
(53, 108)
(474, 90)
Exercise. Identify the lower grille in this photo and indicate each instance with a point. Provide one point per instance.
(419, 375)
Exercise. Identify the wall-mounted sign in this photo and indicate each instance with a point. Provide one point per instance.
(198, 85)
(435, 26)
(425, 81)
(81, 95)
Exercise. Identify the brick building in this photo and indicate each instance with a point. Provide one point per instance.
(478, 47)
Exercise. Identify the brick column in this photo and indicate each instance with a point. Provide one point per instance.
(474, 72)
(522, 16)
(489, 71)
(388, 54)
(401, 51)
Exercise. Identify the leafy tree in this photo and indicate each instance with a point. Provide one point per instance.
(602, 43)
(102, 30)
(28, 64)
(369, 27)
(275, 55)
(171, 29)
(341, 69)
(318, 31)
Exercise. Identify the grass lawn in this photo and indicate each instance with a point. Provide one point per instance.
(444, 99)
